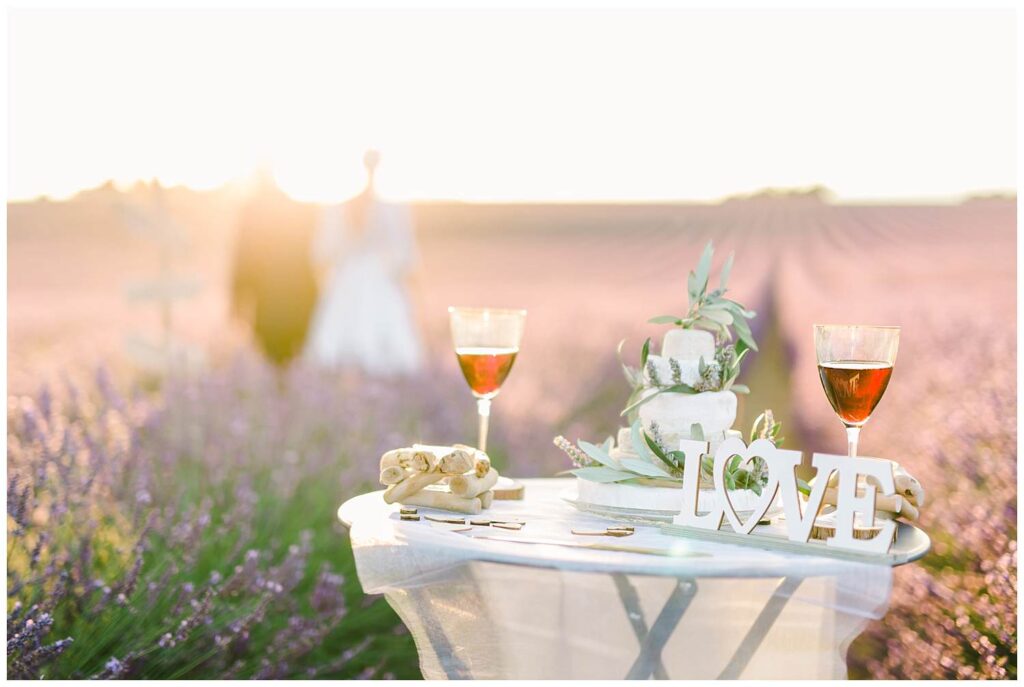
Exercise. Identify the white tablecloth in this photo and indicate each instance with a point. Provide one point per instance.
(499, 610)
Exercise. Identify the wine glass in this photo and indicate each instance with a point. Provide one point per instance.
(855, 363)
(486, 344)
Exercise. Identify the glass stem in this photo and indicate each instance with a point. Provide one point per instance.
(483, 408)
(852, 438)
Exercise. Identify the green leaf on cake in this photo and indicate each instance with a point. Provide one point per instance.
(602, 474)
(633, 375)
(642, 467)
(704, 269)
(631, 414)
(647, 447)
(707, 465)
(640, 440)
(741, 349)
(740, 353)
(755, 428)
(740, 314)
(644, 352)
(719, 316)
(738, 310)
(726, 269)
(747, 338)
(740, 389)
(743, 332)
(646, 443)
(707, 323)
(697, 432)
(765, 426)
(598, 454)
(676, 388)
(664, 319)
(677, 457)
(668, 459)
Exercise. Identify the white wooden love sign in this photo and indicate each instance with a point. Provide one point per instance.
(782, 481)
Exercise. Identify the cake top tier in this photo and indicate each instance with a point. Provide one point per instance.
(688, 344)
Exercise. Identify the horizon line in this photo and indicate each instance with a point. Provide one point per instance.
(820, 192)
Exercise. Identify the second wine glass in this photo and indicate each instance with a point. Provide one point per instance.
(855, 364)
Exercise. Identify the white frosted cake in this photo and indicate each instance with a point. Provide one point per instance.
(673, 415)
(684, 391)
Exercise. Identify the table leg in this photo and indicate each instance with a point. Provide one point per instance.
(759, 630)
(661, 631)
(423, 599)
(631, 602)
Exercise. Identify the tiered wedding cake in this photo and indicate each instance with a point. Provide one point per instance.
(685, 392)
(673, 415)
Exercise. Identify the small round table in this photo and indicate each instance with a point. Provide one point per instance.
(542, 603)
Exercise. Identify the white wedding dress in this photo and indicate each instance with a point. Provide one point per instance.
(363, 317)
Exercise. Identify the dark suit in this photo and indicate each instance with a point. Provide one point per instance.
(273, 287)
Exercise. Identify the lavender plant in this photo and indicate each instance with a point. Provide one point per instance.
(191, 533)
(953, 615)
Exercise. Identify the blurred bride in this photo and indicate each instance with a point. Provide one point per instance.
(365, 250)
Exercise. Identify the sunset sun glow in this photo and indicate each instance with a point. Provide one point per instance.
(525, 105)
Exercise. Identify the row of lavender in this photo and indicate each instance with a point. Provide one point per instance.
(949, 416)
(182, 519)
(191, 532)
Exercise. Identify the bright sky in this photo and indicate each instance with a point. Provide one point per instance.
(517, 105)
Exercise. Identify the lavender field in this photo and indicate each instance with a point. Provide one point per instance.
(182, 525)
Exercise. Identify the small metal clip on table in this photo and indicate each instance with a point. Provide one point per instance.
(486, 609)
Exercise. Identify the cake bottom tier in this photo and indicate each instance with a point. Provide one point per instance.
(665, 500)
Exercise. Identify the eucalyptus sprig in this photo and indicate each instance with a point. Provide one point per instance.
(635, 377)
(656, 465)
(711, 310)
(766, 427)
(728, 359)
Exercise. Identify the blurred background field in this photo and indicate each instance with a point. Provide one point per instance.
(175, 505)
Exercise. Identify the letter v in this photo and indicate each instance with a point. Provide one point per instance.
(799, 524)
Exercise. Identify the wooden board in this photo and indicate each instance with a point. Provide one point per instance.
(911, 544)
(509, 490)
